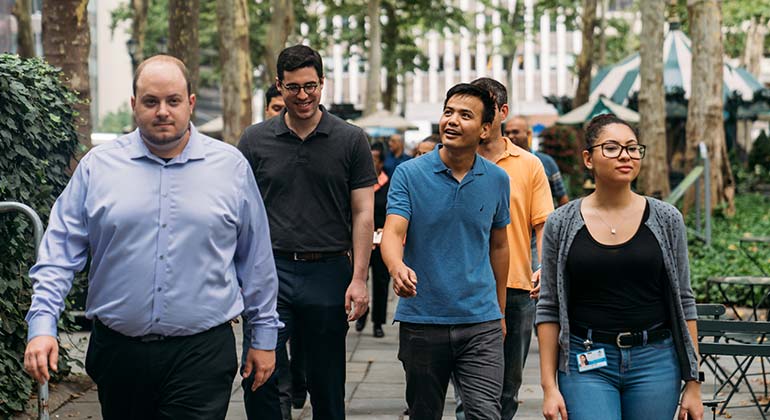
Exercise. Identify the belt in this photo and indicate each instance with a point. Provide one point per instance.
(623, 340)
(149, 338)
(309, 256)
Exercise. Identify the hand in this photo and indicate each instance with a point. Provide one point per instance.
(42, 352)
(262, 362)
(505, 328)
(359, 296)
(535, 292)
(404, 281)
(691, 407)
(553, 405)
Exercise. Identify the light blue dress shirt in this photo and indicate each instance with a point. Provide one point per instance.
(176, 248)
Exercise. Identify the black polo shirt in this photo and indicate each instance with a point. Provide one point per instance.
(306, 185)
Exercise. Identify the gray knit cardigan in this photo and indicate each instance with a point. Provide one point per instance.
(668, 227)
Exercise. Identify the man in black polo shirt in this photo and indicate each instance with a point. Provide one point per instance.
(316, 176)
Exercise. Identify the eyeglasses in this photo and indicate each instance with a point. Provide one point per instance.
(294, 88)
(612, 150)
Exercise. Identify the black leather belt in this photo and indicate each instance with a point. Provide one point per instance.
(309, 256)
(149, 338)
(623, 340)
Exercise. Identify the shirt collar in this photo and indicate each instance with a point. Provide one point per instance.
(324, 126)
(511, 149)
(194, 149)
(479, 168)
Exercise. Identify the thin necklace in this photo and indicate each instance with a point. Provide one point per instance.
(612, 229)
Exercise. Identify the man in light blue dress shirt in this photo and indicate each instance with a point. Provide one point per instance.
(179, 243)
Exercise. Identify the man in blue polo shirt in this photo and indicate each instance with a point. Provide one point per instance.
(451, 207)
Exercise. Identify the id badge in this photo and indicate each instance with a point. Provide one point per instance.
(591, 360)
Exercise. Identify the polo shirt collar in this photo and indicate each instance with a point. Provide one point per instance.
(194, 149)
(511, 149)
(438, 165)
(324, 126)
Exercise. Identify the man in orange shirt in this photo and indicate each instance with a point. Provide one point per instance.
(530, 206)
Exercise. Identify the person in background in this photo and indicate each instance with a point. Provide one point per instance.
(616, 289)
(427, 145)
(179, 243)
(518, 131)
(274, 103)
(380, 275)
(397, 154)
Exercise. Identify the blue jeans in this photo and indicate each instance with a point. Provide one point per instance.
(638, 383)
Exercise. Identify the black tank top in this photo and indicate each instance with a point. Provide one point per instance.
(617, 287)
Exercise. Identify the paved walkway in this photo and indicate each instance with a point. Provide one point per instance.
(375, 383)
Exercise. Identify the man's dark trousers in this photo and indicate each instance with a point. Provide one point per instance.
(311, 299)
(174, 378)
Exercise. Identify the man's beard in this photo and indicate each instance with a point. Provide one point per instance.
(164, 144)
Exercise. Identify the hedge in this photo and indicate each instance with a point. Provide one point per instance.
(37, 142)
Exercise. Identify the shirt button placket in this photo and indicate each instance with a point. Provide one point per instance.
(163, 232)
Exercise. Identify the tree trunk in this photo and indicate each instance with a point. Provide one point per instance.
(183, 36)
(66, 44)
(26, 42)
(139, 27)
(391, 64)
(653, 180)
(704, 114)
(585, 59)
(602, 59)
(373, 92)
(281, 26)
(751, 58)
(233, 20)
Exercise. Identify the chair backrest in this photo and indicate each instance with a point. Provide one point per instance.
(714, 310)
(721, 329)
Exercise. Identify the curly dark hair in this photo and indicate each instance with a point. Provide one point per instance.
(597, 124)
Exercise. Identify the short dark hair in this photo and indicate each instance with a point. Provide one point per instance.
(271, 93)
(599, 122)
(297, 57)
(433, 138)
(467, 89)
(163, 58)
(496, 89)
(378, 147)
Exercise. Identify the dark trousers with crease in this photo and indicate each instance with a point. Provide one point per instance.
(311, 303)
(176, 378)
(380, 282)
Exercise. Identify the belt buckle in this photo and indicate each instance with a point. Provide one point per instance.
(621, 335)
(149, 338)
(295, 256)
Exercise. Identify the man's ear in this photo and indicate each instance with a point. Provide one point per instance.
(192, 100)
(486, 128)
(504, 110)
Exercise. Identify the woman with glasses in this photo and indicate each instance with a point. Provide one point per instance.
(616, 294)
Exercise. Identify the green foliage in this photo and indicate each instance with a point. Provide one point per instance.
(117, 121)
(208, 33)
(37, 141)
(562, 143)
(725, 257)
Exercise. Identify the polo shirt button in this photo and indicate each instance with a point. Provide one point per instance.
(157, 319)
(160, 288)
(161, 257)
(163, 225)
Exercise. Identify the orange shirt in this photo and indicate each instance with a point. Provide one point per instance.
(531, 204)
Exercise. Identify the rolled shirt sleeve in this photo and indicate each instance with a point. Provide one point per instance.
(255, 267)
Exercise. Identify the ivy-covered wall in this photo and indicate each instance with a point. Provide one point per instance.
(37, 142)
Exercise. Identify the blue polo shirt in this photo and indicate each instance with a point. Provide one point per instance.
(447, 242)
